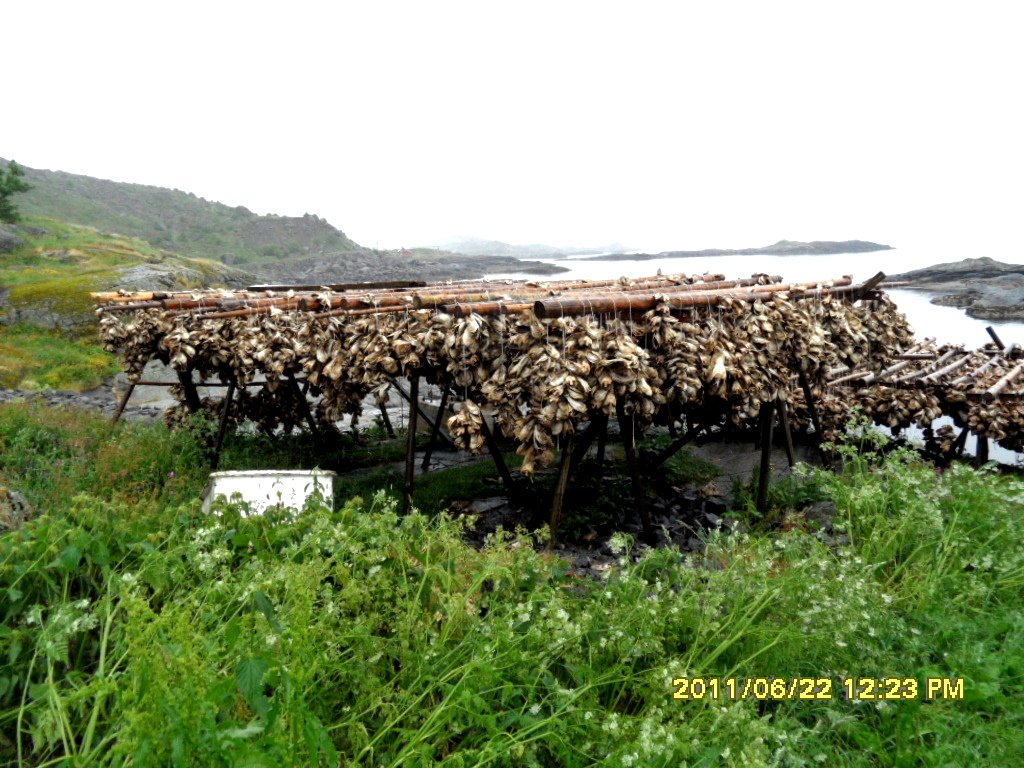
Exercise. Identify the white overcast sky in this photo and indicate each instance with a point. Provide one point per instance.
(658, 125)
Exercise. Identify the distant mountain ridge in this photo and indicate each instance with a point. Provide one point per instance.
(180, 221)
(781, 248)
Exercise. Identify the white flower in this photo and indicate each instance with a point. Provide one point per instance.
(535, 709)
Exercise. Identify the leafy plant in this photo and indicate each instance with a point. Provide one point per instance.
(138, 630)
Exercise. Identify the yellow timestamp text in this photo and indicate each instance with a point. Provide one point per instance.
(817, 688)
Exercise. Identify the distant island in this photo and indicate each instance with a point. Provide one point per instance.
(474, 246)
(987, 289)
(781, 248)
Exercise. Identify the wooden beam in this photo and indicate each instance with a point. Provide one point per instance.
(498, 457)
(869, 285)
(992, 393)
(675, 447)
(224, 416)
(386, 420)
(766, 419)
(419, 409)
(123, 402)
(639, 492)
(192, 401)
(787, 434)
(303, 405)
(597, 424)
(558, 498)
(410, 445)
(381, 284)
(436, 428)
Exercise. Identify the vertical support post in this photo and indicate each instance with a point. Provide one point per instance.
(410, 446)
(766, 419)
(811, 407)
(123, 402)
(386, 420)
(215, 462)
(191, 394)
(436, 429)
(961, 441)
(815, 419)
(419, 409)
(982, 450)
(602, 439)
(559, 496)
(304, 405)
(498, 457)
(787, 435)
(639, 494)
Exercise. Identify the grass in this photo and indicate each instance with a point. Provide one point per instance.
(47, 281)
(138, 631)
(177, 220)
(55, 271)
(32, 357)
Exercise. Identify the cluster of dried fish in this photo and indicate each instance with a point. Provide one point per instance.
(1000, 420)
(541, 378)
(971, 387)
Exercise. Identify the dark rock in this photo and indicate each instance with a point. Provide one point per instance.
(715, 506)
(583, 561)
(711, 520)
(9, 241)
(821, 513)
(690, 500)
(989, 289)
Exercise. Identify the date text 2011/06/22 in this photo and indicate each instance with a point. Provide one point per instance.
(817, 688)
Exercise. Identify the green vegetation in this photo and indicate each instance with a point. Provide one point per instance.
(46, 285)
(55, 271)
(36, 358)
(138, 630)
(12, 181)
(180, 221)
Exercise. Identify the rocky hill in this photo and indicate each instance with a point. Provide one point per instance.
(179, 221)
(276, 249)
(986, 288)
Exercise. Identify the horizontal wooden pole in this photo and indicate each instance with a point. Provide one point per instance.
(612, 303)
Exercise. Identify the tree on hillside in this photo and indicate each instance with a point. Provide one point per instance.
(11, 181)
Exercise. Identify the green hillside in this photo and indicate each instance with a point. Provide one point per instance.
(48, 329)
(179, 221)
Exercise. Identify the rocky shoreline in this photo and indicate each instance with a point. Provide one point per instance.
(100, 399)
(985, 288)
(316, 270)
